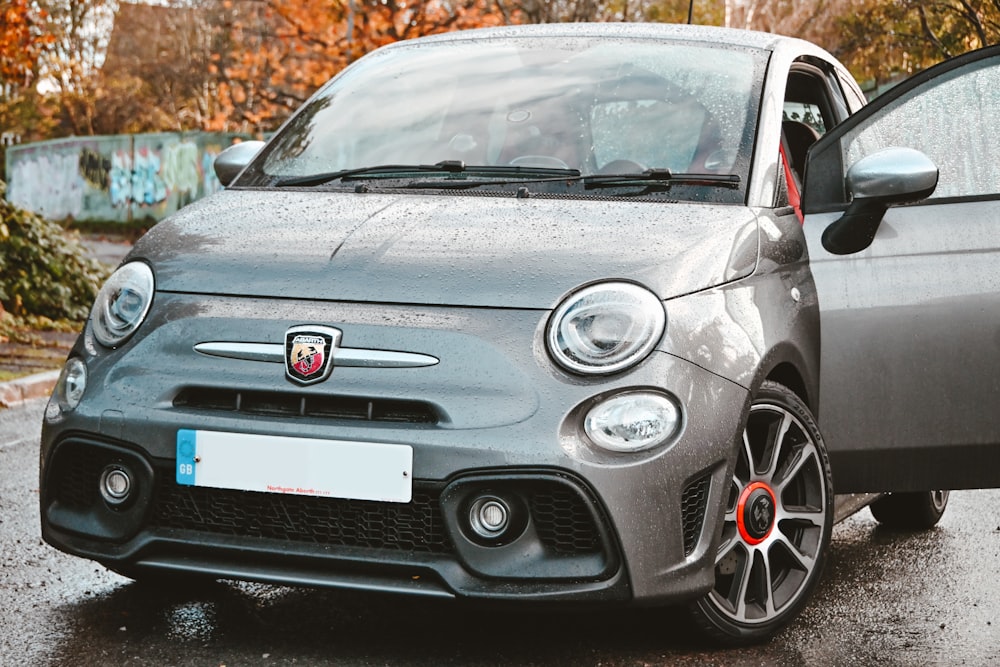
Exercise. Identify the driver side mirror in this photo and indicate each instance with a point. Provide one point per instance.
(890, 176)
(234, 159)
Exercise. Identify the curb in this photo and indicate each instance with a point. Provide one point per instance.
(18, 391)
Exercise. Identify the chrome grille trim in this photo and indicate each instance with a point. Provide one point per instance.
(342, 356)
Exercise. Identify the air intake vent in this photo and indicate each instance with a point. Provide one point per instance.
(563, 523)
(693, 505)
(281, 404)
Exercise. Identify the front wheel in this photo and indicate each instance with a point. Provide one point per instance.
(778, 522)
(910, 511)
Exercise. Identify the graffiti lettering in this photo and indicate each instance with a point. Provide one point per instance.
(114, 178)
(120, 188)
(209, 181)
(148, 187)
(95, 169)
(181, 170)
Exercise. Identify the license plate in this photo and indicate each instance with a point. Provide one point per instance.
(301, 466)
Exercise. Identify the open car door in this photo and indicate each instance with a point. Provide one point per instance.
(905, 250)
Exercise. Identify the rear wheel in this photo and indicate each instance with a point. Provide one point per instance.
(778, 522)
(910, 511)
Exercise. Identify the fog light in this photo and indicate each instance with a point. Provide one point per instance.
(489, 517)
(633, 421)
(116, 484)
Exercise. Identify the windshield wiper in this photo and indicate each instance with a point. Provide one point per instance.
(447, 166)
(498, 176)
(458, 176)
(450, 168)
(651, 180)
(660, 179)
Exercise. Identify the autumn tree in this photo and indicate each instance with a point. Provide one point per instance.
(815, 21)
(704, 12)
(157, 74)
(565, 11)
(117, 66)
(278, 52)
(71, 63)
(885, 40)
(23, 38)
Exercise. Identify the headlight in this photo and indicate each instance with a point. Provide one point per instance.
(122, 304)
(633, 422)
(71, 384)
(605, 328)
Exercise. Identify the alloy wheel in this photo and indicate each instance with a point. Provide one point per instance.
(777, 524)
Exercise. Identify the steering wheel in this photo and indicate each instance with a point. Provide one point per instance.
(622, 167)
(540, 161)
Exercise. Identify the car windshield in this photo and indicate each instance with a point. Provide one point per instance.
(529, 109)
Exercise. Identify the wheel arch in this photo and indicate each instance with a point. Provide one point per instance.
(795, 367)
(788, 375)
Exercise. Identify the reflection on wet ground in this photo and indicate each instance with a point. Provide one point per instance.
(886, 598)
(917, 598)
(239, 622)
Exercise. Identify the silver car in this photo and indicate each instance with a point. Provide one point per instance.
(561, 314)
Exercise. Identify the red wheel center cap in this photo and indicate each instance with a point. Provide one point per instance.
(755, 513)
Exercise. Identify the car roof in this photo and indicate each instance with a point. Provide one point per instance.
(665, 31)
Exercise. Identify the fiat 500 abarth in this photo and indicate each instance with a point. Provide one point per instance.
(570, 313)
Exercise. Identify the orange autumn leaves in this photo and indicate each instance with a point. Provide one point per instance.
(283, 50)
(22, 38)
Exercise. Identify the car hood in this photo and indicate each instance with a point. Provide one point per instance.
(443, 250)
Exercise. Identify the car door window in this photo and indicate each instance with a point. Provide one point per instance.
(945, 112)
(936, 123)
(813, 104)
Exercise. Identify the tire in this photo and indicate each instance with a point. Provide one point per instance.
(777, 526)
(910, 511)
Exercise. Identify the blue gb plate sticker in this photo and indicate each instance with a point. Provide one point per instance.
(187, 445)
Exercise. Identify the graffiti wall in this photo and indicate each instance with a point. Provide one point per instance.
(119, 178)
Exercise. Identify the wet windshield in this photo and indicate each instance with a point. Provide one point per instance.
(530, 108)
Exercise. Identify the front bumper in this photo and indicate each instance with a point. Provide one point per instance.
(493, 417)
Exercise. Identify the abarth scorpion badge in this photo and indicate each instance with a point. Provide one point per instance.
(309, 352)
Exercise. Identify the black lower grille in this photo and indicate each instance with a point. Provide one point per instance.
(415, 526)
(283, 404)
(693, 504)
(562, 518)
(562, 522)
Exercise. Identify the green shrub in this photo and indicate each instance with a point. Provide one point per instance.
(44, 270)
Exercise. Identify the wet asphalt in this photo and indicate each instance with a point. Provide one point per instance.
(886, 598)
